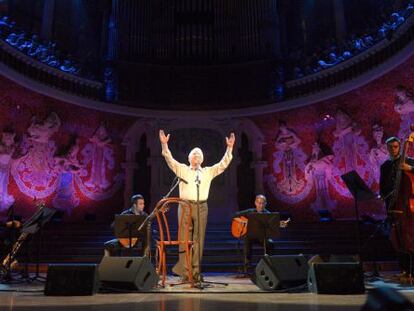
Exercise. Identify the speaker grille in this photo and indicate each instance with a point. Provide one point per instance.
(276, 272)
(71, 280)
(336, 278)
(127, 273)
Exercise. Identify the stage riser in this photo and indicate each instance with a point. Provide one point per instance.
(84, 243)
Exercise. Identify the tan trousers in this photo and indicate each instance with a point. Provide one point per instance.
(197, 234)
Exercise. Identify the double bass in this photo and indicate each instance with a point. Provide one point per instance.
(401, 206)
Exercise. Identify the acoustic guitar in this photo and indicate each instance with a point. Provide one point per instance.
(239, 227)
(125, 242)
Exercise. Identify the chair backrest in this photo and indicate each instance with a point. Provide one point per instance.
(184, 221)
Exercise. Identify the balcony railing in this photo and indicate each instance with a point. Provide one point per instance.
(353, 67)
(49, 76)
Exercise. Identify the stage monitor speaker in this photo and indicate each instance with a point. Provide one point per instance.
(336, 278)
(71, 280)
(127, 273)
(333, 258)
(277, 272)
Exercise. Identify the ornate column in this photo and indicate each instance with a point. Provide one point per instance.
(231, 181)
(258, 167)
(256, 142)
(129, 168)
(157, 188)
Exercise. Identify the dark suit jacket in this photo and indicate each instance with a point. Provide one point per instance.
(250, 211)
(388, 173)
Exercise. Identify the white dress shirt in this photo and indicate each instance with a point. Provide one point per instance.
(201, 175)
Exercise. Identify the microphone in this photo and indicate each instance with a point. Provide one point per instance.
(197, 180)
(182, 179)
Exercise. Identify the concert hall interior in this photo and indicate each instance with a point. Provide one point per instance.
(199, 154)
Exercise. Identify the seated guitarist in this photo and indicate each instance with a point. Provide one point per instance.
(113, 247)
(260, 207)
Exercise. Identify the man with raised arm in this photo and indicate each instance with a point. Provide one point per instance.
(194, 175)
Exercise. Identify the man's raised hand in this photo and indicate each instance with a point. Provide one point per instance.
(230, 140)
(164, 139)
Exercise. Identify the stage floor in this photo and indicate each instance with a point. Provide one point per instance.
(240, 294)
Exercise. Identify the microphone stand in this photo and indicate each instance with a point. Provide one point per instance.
(381, 226)
(146, 221)
(200, 282)
(39, 242)
(242, 271)
(197, 182)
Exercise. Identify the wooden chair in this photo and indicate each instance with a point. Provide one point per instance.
(184, 224)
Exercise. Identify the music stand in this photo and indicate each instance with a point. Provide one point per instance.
(38, 219)
(361, 192)
(126, 226)
(263, 226)
(35, 224)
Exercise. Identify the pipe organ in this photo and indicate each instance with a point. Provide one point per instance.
(195, 31)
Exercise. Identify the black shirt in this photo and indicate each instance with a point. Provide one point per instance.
(130, 211)
(388, 174)
(250, 211)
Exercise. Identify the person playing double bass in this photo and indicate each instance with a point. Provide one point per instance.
(396, 190)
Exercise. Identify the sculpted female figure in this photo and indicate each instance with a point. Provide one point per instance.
(7, 148)
(404, 106)
(378, 153)
(288, 180)
(99, 155)
(34, 172)
(319, 170)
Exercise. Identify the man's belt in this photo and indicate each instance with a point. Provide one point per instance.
(199, 202)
